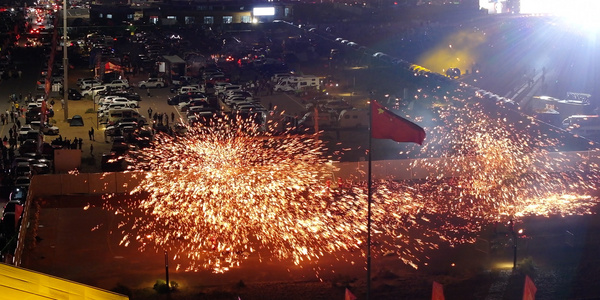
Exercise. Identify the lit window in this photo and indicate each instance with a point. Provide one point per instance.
(171, 17)
(227, 19)
(189, 20)
(109, 16)
(209, 20)
(246, 19)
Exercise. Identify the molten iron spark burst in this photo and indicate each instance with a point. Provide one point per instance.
(222, 192)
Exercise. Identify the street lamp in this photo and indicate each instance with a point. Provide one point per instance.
(167, 268)
(516, 235)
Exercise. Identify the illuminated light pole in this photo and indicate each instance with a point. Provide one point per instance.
(65, 63)
(167, 268)
(516, 237)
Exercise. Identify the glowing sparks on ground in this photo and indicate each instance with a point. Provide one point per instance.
(221, 193)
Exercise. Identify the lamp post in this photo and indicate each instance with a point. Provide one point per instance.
(167, 268)
(514, 250)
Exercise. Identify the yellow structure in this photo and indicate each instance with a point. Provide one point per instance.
(19, 283)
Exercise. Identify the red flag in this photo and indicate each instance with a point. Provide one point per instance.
(349, 295)
(529, 290)
(387, 125)
(437, 292)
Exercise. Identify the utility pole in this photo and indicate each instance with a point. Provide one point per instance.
(65, 63)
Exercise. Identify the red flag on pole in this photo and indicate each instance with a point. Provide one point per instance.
(349, 295)
(437, 292)
(529, 290)
(387, 125)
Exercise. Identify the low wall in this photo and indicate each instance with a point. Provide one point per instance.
(123, 182)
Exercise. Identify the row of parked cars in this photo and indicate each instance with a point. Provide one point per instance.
(12, 214)
(201, 101)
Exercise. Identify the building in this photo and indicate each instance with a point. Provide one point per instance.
(194, 13)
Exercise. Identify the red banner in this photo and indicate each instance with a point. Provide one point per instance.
(437, 292)
(529, 290)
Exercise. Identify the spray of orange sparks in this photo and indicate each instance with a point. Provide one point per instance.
(221, 192)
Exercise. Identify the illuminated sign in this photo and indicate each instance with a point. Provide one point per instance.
(493, 6)
(263, 11)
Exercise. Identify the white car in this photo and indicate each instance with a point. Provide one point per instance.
(188, 89)
(152, 83)
(115, 105)
(80, 80)
(229, 88)
(118, 84)
(129, 103)
(238, 94)
(237, 101)
(219, 86)
(47, 129)
(186, 105)
(107, 99)
(87, 84)
(94, 91)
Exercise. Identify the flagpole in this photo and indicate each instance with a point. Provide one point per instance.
(369, 203)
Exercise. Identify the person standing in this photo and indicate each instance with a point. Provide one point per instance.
(92, 138)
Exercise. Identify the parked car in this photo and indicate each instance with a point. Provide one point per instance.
(86, 84)
(18, 195)
(229, 88)
(118, 84)
(41, 84)
(181, 80)
(127, 102)
(94, 91)
(22, 182)
(185, 106)
(152, 83)
(23, 131)
(175, 100)
(125, 94)
(75, 94)
(81, 80)
(47, 129)
(189, 89)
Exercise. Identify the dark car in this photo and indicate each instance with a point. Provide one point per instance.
(112, 162)
(74, 94)
(18, 194)
(175, 100)
(143, 138)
